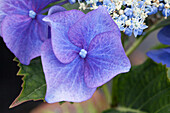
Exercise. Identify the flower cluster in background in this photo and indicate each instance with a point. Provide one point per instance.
(130, 15)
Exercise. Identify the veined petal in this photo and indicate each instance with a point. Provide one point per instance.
(15, 6)
(164, 35)
(2, 16)
(105, 59)
(23, 6)
(92, 24)
(22, 36)
(160, 56)
(42, 29)
(65, 82)
(60, 23)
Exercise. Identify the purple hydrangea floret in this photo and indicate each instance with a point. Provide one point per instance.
(84, 52)
(162, 55)
(22, 27)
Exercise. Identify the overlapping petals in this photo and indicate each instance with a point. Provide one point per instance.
(65, 82)
(60, 22)
(162, 55)
(22, 27)
(88, 27)
(71, 76)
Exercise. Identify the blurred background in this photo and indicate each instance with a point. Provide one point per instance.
(10, 85)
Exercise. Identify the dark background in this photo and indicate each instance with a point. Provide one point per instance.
(10, 84)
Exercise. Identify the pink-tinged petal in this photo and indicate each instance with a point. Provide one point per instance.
(105, 59)
(65, 82)
(164, 35)
(60, 23)
(23, 35)
(92, 24)
(160, 56)
(55, 9)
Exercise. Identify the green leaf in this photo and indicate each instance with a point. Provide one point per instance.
(145, 89)
(123, 110)
(34, 85)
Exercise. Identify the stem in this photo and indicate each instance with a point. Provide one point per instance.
(141, 38)
(124, 109)
(107, 93)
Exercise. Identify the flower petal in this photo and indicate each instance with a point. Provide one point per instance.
(23, 6)
(65, 82)
(15, 6)
(2, 16)
(23, 35)
(105, 59)
(55, 9)
(160, 56)
(164, 35)
(43, 28)
(39, 4)
(60, 23)
(92, 24)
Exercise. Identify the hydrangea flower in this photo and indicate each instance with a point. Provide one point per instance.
(134, 10)
(84, 52)
(162, 55)
(22, 27)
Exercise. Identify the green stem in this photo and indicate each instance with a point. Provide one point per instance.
(141, 38)
(107, 93)
(124, 109)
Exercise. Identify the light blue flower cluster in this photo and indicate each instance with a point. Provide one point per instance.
(164, 6)
(130, 15)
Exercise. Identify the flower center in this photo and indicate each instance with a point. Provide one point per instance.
(32, 14)
(83, 53)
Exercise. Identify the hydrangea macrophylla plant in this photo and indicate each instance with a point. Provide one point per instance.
(84, 52)
(22, 27)
(162, 55)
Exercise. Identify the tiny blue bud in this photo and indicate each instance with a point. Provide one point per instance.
(140, 3)
(72, 1)
(140, 31)
(128, 31)
(129, 12)
(32, 14)
(83, 53)
(99, 3)
(149, 10)
(166, 12)
(106, 2)
(161, 7)
(155, 10)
